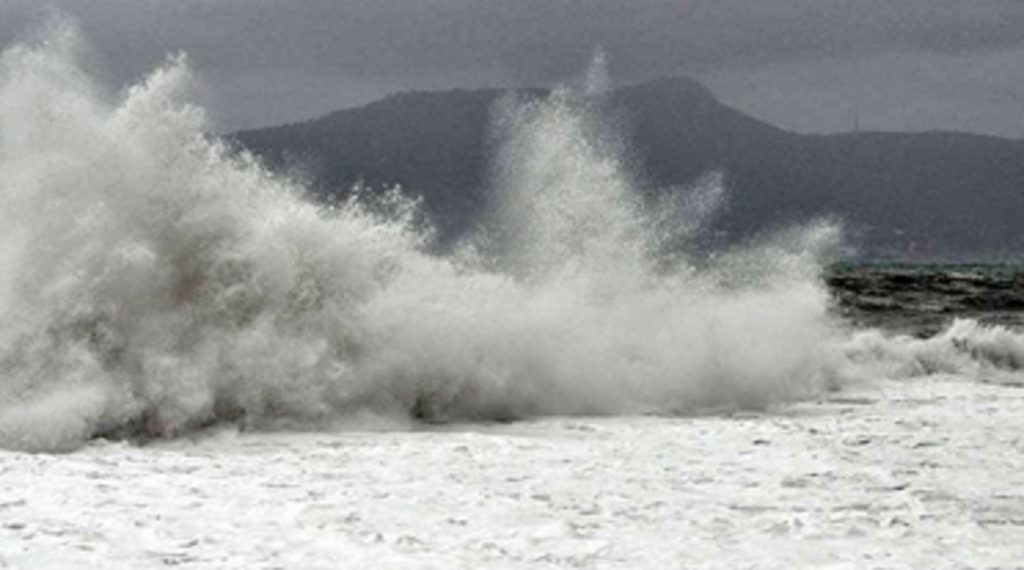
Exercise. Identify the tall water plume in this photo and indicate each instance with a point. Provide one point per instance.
(154, 281)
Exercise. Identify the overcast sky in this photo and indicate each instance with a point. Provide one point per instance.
(807, 65)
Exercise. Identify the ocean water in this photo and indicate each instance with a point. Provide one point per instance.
(154, 280)
(922, 299)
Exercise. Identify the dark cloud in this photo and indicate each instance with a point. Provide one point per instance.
(284, 59)
(979, 91)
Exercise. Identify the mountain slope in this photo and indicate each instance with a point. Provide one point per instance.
(908, 195)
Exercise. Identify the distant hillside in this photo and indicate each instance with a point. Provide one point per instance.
(936, 194)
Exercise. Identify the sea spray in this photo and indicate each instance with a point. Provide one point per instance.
(985, 353)
(155, 281)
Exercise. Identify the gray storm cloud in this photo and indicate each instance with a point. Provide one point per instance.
(276, 60)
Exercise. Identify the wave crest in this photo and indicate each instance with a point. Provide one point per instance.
(154, 281)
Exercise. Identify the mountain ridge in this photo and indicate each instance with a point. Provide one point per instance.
(916, 195)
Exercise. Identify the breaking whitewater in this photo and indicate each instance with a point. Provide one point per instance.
(247, 378)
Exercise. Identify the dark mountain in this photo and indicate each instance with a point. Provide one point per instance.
(936, 194)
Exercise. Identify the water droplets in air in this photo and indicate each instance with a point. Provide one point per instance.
(155, 281)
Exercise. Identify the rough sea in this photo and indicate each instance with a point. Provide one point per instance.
(201, 366)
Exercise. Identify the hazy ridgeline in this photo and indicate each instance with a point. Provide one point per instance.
(152, 281)
(937, 196)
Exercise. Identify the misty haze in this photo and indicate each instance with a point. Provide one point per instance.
(680, 284)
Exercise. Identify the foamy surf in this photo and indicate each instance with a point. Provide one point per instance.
(155, 281)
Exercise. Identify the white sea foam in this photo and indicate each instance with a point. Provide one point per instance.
(986, 353)
(153, 281)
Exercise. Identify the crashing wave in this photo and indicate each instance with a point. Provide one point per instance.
(153, 281)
